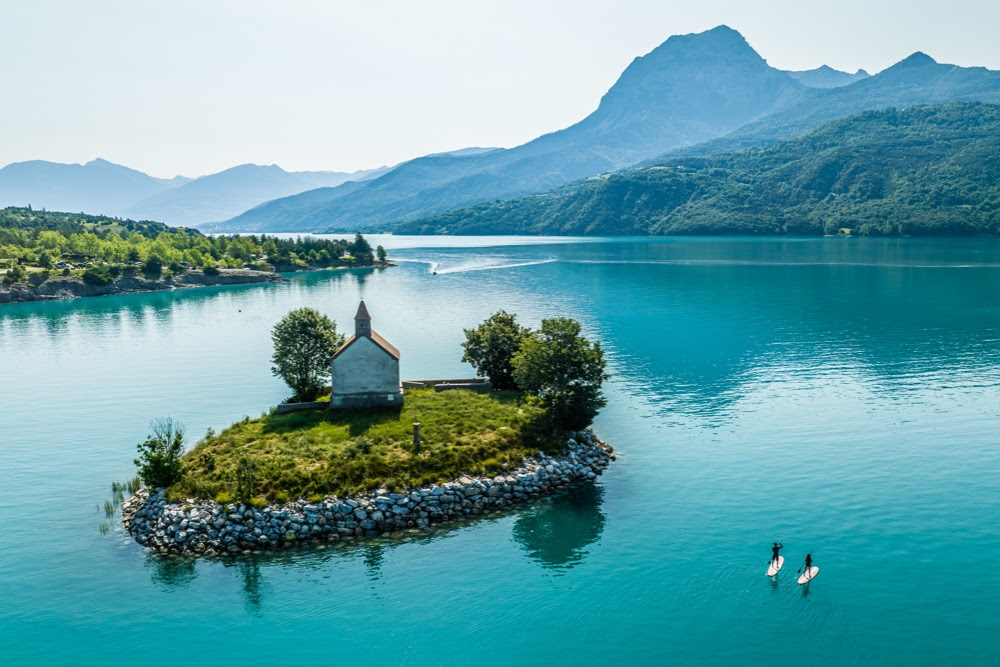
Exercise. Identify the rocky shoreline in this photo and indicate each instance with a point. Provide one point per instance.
(207, 528)
(73, 287)
(61, 288)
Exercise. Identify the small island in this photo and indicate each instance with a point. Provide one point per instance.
(49, 255)
(350, 460)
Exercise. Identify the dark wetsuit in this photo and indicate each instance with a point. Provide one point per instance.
(774, 552)
(809, 562)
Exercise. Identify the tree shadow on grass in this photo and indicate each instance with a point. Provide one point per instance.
(356, 421)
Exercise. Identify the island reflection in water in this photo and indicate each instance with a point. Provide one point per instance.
(555, 532)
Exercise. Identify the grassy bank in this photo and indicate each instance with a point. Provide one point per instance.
(318, 453)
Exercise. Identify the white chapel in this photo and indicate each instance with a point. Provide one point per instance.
(365, 370)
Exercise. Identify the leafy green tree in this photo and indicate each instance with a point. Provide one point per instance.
(304, 340)
(98, 275)
(153, 267)
(491, 346)
(15, 275)
(50, 240)
(159, 459)
(565, 370)
(381, 253)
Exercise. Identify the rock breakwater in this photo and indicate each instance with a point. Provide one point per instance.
(208, 528)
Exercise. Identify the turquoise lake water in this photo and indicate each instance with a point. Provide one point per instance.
(841, 396)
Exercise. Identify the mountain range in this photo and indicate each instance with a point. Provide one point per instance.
(697, 94)
(101, 187)
(689, 89)
(925, 170)
(694, 96)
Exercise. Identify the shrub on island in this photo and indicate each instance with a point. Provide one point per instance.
(159, 461)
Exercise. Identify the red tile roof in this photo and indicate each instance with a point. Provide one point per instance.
(385, 345)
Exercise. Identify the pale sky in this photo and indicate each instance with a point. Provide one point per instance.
(196, 86)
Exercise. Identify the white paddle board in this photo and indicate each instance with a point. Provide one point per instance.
(808, 575)
(772, 568)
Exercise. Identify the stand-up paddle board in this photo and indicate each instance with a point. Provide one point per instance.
(773, 567)
(808, 575)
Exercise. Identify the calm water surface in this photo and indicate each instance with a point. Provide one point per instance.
(839, 396)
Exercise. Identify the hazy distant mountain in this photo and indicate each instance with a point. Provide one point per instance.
(103, 188)
(286, 213)
(283, 213)
(918, 79)
(230, 192)
(464, 152)
(96, 187)
(925, 170)
(827, 77)
(689, 89)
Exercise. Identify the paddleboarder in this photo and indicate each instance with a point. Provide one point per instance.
(774, 552)
(809, 563)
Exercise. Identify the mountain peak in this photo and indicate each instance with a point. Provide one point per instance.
(714, 75)
(688, 57)
(825, 76)
(918, 59)
(719, 38)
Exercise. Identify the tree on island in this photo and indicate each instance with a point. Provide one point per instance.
(159, 459)
(491, 346)
(361, 249)
(381, 253)
(304, 340)
(565, 370)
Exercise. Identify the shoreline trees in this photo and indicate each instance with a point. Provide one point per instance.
(47, 240)
(556, 363)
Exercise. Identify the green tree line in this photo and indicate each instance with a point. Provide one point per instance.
(49, 240)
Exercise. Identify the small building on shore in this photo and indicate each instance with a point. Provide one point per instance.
(365, 370)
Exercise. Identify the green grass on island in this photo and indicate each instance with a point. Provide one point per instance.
(322, 452)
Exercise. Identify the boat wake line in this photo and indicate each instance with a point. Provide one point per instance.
(475, 265)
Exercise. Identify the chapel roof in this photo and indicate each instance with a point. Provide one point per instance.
(385, 345)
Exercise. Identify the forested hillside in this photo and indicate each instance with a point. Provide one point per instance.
(926, 170)
(918, 79)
